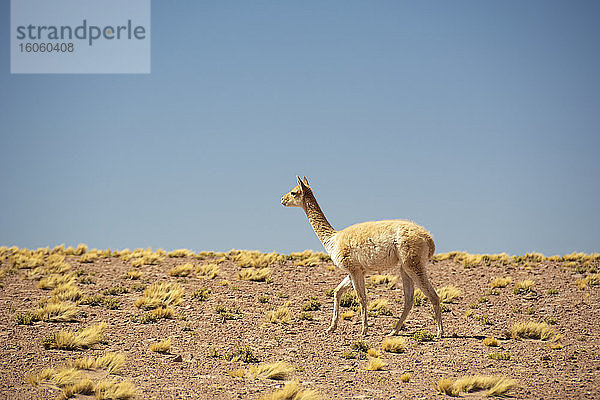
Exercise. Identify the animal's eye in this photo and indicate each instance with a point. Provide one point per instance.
(294, 193)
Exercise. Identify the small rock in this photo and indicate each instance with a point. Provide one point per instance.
(177, 358)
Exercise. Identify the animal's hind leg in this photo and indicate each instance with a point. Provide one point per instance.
(337, 295)
(420, 277)
(409, 291)
(358, 281)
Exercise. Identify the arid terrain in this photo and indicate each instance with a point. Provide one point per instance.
(213, 314)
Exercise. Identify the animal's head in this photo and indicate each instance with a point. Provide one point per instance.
(296, 197)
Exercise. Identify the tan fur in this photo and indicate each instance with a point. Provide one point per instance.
(369, 247)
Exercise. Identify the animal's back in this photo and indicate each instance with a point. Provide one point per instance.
(377, 245)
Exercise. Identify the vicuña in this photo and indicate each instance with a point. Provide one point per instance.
(371, 247)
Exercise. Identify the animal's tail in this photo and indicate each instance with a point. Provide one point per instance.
(431, 246)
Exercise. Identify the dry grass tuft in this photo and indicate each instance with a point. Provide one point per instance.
(243, 354)
(393, 344)
(84, 386)
(379, 307)
(110, 362)
(532, 330)
(276, 371)
(255, 259)
(490, 341)
(147, 258)
(237, 373)
(111, 389)
(292, 391)
(133, 274)
(419, 298)
(164, 346)
(496, 385)
(591, 280)
(282, 315)
(375, 364)
(54, 280)
(255, 274)
(83, 339)
(181, 270)
(66, 291)
(388, 280)
(524, 287)
(160, 295)
(347, 314)
(56, 312)
(449, 293)
(501, 282)
(180, 253)
(405, 377)
(308, 258)
(208, 271)
(89, 257)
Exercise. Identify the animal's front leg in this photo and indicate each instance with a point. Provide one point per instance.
(358, 281)
(337, 296)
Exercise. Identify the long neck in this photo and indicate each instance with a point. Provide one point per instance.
(317, 219)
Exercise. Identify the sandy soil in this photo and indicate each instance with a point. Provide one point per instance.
(572, 372)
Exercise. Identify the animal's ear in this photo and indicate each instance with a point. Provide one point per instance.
(301, 184)
(305, 181)
(299, 181)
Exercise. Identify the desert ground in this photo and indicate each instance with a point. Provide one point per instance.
(243, 324)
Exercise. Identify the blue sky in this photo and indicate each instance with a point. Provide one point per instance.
(478, 120)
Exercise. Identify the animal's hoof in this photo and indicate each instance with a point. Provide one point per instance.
(330, 330)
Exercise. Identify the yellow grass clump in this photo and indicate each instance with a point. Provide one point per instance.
(405, 377)
(532, 330)
(66, 291)
(348, 314)
(525, 286)
(78, 251)
(276, 371)
(292, 391)
(209, 271)
(591, 280)
(72, 381)
(393, 344)
(110, 362)
(181, 270)
(255, 259)
(374, 353)
(308, 258)
(255, 274)
(388, 280)
(449, 294)
(89, 257)
(133, 274)
(25, 261)
(58, 311)
(379, 307)
(501, 282)
(490, 341)
(146, 257)
(419, 298)
(164, 346)
(85, 386)
(160, 295)
(237, 373)
(83, 339)
(375, 364)
(112, 389)
(496, 385)
(54, 280)
(180, 253)
(282, 315)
